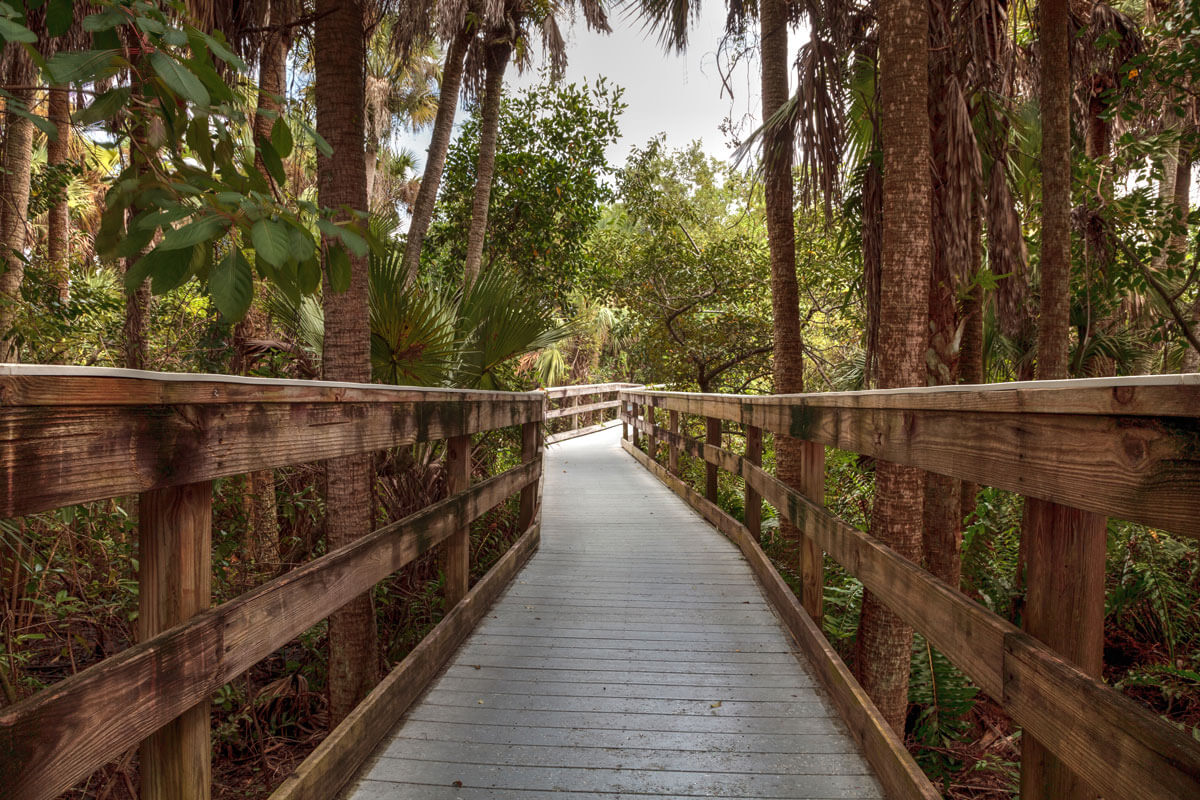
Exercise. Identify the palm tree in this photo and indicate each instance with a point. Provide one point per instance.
(340, 96)
(14, 187)
(884, 640)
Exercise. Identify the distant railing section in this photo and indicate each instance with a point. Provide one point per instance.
(582, 409)
(1126, 448)
(70, 436)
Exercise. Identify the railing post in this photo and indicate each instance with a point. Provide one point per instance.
(812, 559)
(1064, 552)
(651, 437)
(531, 439)
(633, 420)
(712, 430)
(672, 448)
(753, 499)
(458, 545)
(175, 584)
(621, 414)
(573, 402)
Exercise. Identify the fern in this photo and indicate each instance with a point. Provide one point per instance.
(943, 701)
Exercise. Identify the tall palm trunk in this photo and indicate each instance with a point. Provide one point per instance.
(499, 49)
(262, 537)
(884, 641)
(135, 350)
(791, 454)
(14, 197)
(341, 182)
(1064, 547)
(58, 153)
(435, 161)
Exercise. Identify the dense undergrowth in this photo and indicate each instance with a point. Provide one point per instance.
(961, 738)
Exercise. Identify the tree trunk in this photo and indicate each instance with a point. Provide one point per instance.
(807, 559)
(1063, 548)
(498, 52)
(884, 641)
(262, 537)
(341, 182)
(58, 153)
(14, 197)
(970, 364)
(435, 161)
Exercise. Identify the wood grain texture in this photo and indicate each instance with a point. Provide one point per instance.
(458, 545)
(897, 771)
(1136, 467)
(175, 584)
(1103, 723)
(531, 450)
(575, 411)
(65, 732)
(555, 438)
(73, 454)
(328, 768)
(557, 392)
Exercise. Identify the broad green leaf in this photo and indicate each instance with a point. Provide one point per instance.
(149, 264)
(231, 284)
(59, 16)
(199, 230)
(221, 51)
(179, 79)
(281, 137)
(300, 247)
(11, 31)
(104, 21)
(308, 275)
(174, 272)
(103, 107)
(81, 67)
(134, 242)
(356, 243)
(271, 241)
(337, 263)
(271, 160)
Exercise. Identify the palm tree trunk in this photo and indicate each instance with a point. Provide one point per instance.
(14, 197)
(58, 153)
(884, 641)
(262, 538)
(498, 51)
(341, 182)
(435, 161)
(1064, 547)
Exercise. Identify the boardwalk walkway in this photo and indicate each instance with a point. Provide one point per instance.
(634, 656)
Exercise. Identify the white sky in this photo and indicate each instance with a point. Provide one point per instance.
(678, 95)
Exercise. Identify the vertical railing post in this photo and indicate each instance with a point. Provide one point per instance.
(458, 545)
(175, 584)
(531, 440)
(712, 430)
(812, 559)
(672, 448)
(633, 424)
(622, 411)
(753, 499)
(651, 437)
(573, 402)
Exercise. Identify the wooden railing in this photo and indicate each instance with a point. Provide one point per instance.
(70, 436)
(590, 403)
(1126, 448)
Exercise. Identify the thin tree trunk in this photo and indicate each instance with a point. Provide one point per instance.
(262, 543)
(970, 364)
(498, 52)
(1063, 548)
(135, 350)
(341, 181)
(58, 153)
(14, 195)
(435, 161)
(884, 640)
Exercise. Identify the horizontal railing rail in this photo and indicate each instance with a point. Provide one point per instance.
(69, 436)
(1127, 448)
(601, 397)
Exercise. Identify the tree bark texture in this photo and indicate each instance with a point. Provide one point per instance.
(14, 195)
(435, 160)
(58, 228)
(498, 52)
(884, 641)
(341, 182)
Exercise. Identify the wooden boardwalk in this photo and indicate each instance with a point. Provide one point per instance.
(634, 656)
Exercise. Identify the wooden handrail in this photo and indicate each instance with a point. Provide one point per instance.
(70, 435)
(560, 392)
(1119, 747)
(1125, 449)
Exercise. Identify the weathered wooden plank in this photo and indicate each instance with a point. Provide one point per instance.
(531, 435)
(712, 434)
(457, 552)
(63, 733)
(41, 385)
(753, 514)
(573, 410)
(895, 768)
(327, 769)
(1139, 468)
(979, 643)
(555, 438)
(175, 584)
(1110, 741)
(54, 457)
(1138, 395)
(557, 392)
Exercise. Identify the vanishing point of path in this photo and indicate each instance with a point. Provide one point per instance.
(634, 656)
